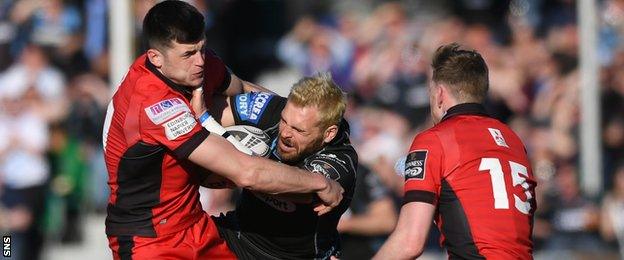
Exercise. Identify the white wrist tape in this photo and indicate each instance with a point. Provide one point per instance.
(210, 124)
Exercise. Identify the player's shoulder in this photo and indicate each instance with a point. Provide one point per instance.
(496, 128)
(252, 107)
(334, 164)
(429, 137)
(149, 92)
(344, 155)
(503, 135)
(243, 100)
(340, 147)
(158, 100)
(139, 86)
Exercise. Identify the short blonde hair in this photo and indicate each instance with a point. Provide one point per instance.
(322, 92)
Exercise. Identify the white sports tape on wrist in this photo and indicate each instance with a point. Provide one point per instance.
(210, 124)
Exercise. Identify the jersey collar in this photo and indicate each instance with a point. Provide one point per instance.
(465, 109)
(185, 91)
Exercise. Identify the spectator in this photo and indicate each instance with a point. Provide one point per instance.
(573, 217)
(68, 172)
(47, 82)
(24, 172)
(312, 48)
(370, 218)
(611, 222)
(89, 96)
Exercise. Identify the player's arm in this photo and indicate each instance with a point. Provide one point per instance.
(260, 174)
(380, 215)
(423, 173)
(168, 121)
(227, 111)
(219, 108)
(379, 219)
(238, 86)
(408, 239)
(219, 79)
(335, 168)
(215, 181)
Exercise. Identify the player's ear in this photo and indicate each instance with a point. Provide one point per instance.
(155, 57)
(441, 92)
(330, 133)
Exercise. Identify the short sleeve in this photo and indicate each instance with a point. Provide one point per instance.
(423, 169)
(168, 121)
(259, 109)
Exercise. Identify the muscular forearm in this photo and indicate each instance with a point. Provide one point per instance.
(396, 248)
(263, 175)
(214, 181)
(273, 177)
(408, 239)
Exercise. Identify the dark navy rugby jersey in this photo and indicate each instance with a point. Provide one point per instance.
(267, 227)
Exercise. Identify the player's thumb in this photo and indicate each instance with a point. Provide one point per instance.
(197, 101)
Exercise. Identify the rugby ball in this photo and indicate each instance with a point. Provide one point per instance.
(251, 137)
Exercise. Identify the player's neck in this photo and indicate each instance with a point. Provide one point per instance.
(447, 104)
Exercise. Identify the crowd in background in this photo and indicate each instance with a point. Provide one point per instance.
(54, 90)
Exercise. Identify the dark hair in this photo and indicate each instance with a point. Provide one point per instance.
(171, 21)
(465, 72)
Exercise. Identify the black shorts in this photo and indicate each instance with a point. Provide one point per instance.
(252, 245)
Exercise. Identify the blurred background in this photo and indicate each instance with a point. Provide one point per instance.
(58, 69)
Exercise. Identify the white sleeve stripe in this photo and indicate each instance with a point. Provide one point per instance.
(107, 123)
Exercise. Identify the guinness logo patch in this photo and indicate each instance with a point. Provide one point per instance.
(415, 165)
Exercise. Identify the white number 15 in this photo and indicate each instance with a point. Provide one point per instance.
(518, 175)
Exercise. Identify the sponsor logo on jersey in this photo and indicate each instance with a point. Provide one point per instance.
(259, 104)
(415, 165)
(179, 126)
(278, 204)
(331, 157)
(166, 109)
(498, 137)
(242, 106)
(324, 168)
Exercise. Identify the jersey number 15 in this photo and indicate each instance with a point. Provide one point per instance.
(518, 176)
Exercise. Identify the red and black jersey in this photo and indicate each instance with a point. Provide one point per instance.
(149, 132)
(475, 170)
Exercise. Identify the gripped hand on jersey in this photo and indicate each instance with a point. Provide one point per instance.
(197, 102)
(330, 197)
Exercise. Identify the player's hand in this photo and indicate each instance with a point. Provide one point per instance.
(330, 197)
(197, 102)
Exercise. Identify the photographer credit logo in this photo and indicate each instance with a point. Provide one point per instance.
(6, 246)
